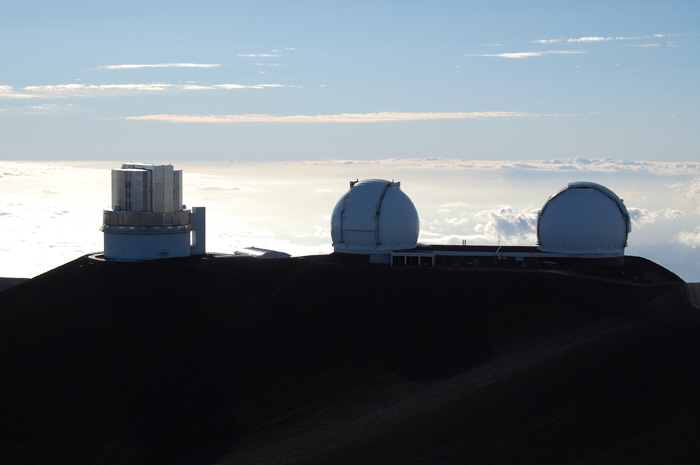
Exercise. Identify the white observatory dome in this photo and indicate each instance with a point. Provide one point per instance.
(584, 218)
(374, 217)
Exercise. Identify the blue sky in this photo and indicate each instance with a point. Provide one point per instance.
(505, 80)
(481, 109)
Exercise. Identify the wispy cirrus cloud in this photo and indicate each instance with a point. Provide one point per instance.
(48, 108)
(230, 86)
(594, 39)
(600, 39)
(84, 89)
(271, 54)
(337, 118)
(161, 65)
(589, 39)
(91, 90)
(656, 44)
(254, 86)
(527, 54)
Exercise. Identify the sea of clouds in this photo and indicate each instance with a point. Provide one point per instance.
(51, 212)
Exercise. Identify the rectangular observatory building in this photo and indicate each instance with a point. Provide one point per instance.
(148, 220)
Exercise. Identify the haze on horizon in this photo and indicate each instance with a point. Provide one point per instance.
(482, 110)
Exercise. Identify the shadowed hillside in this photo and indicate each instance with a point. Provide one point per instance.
(6, 283)
(217, 360)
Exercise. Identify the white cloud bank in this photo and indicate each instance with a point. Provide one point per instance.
(691, 189)
(640, 216)
(380, 117)
(51, 212)
(689, 238)
(512, 226)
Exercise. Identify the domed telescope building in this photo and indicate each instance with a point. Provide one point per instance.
(584, 225)
(148, 219)
(584, 219)
(374, 218)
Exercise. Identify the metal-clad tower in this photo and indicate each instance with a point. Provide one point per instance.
(148, 219)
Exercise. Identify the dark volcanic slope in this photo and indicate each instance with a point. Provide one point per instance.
(6, 283)
(208, 360)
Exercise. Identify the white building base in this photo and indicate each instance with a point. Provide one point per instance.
(150, 246)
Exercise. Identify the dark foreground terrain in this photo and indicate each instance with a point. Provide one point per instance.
(6, 283)
(220, 360)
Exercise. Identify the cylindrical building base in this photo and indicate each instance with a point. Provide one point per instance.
(132, 246)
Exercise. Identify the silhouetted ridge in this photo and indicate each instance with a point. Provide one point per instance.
(316, 360)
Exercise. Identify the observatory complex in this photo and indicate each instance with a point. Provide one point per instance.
(148, 219)
(583, 224)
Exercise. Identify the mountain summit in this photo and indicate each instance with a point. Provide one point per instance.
(206, 360)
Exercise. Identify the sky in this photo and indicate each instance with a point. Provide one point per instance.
(481, 109)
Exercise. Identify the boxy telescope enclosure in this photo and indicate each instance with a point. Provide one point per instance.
(148, 219)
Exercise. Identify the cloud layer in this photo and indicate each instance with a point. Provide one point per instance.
(640, 216)
(93, 90)
(52, 212)
(566, 166)
(8, 92)
(689, 238)
(528, 54)
(161, 65)
(577, 40)
(381, 117)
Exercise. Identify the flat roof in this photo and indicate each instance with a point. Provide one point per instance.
(491, 249)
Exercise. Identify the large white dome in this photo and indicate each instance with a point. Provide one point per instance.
(373, 216)
(584, 218)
